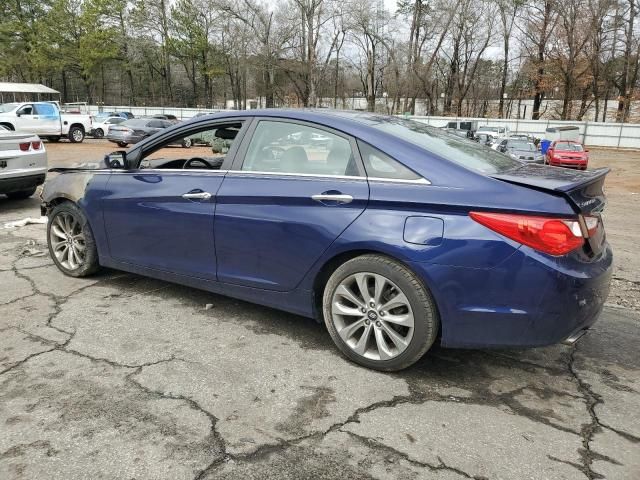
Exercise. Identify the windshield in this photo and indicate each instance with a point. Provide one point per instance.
(7, 107)
(529, 147)
(136, 122)
(569, 147)
(464, 152)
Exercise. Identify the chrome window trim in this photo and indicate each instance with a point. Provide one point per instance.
(418, 181)
(289, 174)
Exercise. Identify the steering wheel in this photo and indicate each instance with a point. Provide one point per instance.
(188, 163)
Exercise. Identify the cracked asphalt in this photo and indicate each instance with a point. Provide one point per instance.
(124, 377)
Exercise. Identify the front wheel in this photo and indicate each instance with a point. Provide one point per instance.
(98, 133)
(379, 313)
(122, 144)
(70, 239)
(187, 142)
(76, 134)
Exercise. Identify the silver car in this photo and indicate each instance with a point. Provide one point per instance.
(521, 150)
(23, 163)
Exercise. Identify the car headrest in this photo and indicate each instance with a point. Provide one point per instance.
(226, 133)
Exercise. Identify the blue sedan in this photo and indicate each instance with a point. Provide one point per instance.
(394, 234)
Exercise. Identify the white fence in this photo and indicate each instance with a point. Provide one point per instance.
(595, 134)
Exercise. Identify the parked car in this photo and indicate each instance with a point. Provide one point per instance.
(497, 134)
(521, 150)
(100, 129)
(567, 153)
(163, 116)
(396, 236)
(44, 119)
(136, 129)
(23, 163)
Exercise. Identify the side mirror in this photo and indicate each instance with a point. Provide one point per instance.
(116, 160)
(18, 114)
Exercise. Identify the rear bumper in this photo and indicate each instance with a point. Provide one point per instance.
(23, 179)
(123, 138)
(528, 300)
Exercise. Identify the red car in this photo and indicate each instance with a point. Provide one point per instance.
(567, 153)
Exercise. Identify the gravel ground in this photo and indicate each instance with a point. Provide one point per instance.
(120, 376)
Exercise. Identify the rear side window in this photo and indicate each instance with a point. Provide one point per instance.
(283, 147)
(46, 110)
(381, 165)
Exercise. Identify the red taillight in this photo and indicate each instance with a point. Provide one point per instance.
(25, 146)
(36, 145)
(549, 235)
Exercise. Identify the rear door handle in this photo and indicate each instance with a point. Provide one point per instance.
(330, 197)
(197, 196)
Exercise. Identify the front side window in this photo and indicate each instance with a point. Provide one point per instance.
(26, 110)
(202, 149)
(282, 147)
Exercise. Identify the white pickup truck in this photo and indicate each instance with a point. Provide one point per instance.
(45, 120)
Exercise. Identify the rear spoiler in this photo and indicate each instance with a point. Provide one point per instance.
(584, 189)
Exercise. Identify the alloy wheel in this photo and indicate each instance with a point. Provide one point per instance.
(77, 135)
(68, 241)
(372, 316)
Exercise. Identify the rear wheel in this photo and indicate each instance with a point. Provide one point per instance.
(76, 134)
(379, 313)
(187, 142)
(22, 194)
(71, 243)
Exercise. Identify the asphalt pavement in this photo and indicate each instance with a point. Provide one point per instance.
(122, 377)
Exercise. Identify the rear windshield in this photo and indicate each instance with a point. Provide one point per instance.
(569, 147)
(465, 152)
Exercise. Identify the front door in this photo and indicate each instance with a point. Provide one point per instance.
(293, 190)
(163, 219)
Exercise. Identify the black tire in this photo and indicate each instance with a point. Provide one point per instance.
(22, 194)
(122, 144)
(98, 133)
(186, 143)
(53, 139)
(76, 134)
(426, 318)
(90, 264)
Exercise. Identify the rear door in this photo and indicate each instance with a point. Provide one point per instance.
(287, 198)
(48, 117)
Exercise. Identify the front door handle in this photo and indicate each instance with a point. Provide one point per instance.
(331, 197)
(197, 196)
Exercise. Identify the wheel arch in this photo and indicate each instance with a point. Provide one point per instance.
(331, 264)
(8, 125)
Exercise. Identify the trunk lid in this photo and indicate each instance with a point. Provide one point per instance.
(584, 190)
